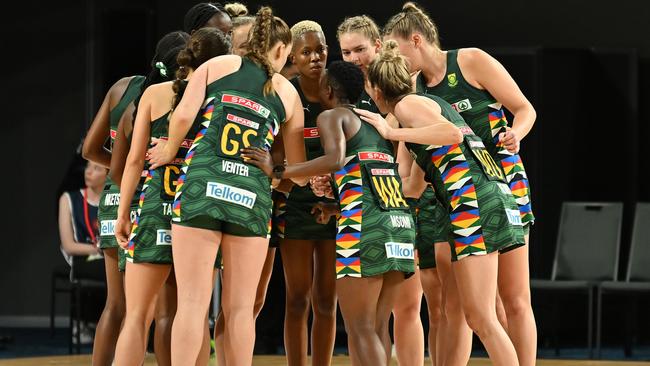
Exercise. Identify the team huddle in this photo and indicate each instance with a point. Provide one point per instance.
(382, 177)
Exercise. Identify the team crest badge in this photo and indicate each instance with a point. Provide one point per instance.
(451, 80)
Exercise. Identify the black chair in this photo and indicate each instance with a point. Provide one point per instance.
(76, 284)
(59, 283)
(637, 279)
(586, 254)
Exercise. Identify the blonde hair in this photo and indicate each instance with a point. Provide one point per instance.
(239, 14)
(305, 26)
(265, 33)
(362, 24)
(412, 19)
(236, 9)
(390, 73)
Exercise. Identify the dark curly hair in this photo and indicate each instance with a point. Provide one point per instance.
(346, 80)
(163, 65)
(203, 45)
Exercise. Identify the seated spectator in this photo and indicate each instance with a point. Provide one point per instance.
(79, 234)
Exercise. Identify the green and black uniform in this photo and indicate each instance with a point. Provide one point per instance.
(217, 190)
(483, 213)
(110, 198)
(366, 102)
(151, 238)
(486, 117)
(375, 230)
(433, 226)
(292, 216)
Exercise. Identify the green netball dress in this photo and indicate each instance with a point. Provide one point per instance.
(483, 213)
(486, 117)
(151, 233)
(366, 102)
(217, 190)
(433, 226)
(110, 198)
(292, 216)
(375, 230)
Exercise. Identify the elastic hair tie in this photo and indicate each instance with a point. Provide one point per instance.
(161, 68)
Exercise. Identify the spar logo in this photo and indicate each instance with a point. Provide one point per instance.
(382, 171)
(107, 227)
(185, 144)
(164, 237)
(224, 192)
(375, 156)
(233, 99)
(466, 130)
(242, 121)
(399, 250)
(311, 132)
(462, 105)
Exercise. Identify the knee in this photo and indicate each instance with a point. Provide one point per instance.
(324, 306)
(483, 322)
(435, 317)
(115, 309)
(259, 304)
(516, 305)
(360, 327)
(407, 313)
(297, 304)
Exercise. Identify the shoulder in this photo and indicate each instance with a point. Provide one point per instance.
(64, 200)
(285, 89)
(412, 102)
(224, 61)
(119, 87)
(473, 56)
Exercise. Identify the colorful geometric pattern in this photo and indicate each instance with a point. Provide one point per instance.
(511, 164)
(465, 216)
(206, 117)
(130, 249)
(350, 188)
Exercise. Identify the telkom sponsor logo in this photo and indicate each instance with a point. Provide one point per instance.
(224, 192)
(514, 217)
(107, 227)
(399, 250)
(163, 237)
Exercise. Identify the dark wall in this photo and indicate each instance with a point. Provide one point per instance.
(53, 94)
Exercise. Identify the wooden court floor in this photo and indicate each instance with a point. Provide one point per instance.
(279, 360)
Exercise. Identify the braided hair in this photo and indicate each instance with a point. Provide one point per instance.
(203, 45)
(265, 33)
(200, 14)
(346, 80)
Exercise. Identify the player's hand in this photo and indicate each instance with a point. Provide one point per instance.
(510, 140)
(123, 231)
(260, 158)
(376, 120)
(158, 155)
(321, 186)
(323, 211)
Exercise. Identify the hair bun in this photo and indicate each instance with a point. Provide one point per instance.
(411, 7)
(236, 9)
